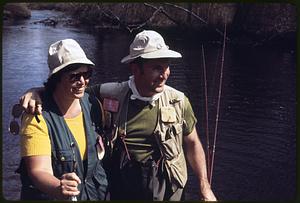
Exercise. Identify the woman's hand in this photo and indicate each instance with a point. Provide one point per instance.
(68, 185)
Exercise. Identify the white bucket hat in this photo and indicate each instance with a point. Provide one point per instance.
(149, 44)
(65, 52)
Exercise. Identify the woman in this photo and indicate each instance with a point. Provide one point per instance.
(61, 154)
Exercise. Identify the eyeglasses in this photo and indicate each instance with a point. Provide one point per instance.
(16, 112)
(74, 77)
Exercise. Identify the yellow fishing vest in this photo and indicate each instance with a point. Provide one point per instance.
(168, 130)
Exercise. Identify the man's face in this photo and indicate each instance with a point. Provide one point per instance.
(151, 78)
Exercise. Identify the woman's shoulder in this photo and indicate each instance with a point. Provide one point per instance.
(32, 123)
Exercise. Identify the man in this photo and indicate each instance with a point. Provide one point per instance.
(150, 123)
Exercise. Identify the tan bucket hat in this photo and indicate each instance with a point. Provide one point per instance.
(149, 44)
(65, 52)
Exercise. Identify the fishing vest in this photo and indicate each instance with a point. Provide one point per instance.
(168, 131)
(64, 148)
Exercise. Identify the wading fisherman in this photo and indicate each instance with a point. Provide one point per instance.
(151, 122)
(61, 150)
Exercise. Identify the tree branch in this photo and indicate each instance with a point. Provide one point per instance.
(164, 12)
(149, 19)
(196, 16)
(112, 17)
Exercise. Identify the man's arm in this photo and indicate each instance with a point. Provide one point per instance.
(196, 158)
(40, 171)
(32, 102)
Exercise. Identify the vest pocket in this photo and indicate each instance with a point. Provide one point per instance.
(97, 185)
(64, 162)
(171, 141)
(177, 170)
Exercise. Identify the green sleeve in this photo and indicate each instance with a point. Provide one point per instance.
(189, 117)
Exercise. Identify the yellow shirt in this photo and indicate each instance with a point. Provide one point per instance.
(35, 139)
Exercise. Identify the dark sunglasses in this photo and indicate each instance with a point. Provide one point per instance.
(16, 112)
(74, 77)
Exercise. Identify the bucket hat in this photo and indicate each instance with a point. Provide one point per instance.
(65, 52)
(149, 44)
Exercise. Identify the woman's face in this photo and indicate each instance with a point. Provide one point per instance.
(73, 83)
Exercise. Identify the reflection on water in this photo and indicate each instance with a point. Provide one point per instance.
(255, 151)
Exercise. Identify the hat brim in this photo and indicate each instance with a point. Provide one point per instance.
(81, 61)
(153, 55)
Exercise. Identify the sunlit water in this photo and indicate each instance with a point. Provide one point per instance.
(255, 155)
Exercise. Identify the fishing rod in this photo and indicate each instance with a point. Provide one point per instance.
(218, 107)
(206, 114)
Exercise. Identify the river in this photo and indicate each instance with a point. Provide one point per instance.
(255, 158)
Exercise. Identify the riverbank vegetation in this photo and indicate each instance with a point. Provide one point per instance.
(16, 11)
(263, 22)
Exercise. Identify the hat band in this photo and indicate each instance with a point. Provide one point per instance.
(142, 51)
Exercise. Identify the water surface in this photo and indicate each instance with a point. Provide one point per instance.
(256, 142)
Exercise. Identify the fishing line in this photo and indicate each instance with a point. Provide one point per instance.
(218, 106)
(206, 113)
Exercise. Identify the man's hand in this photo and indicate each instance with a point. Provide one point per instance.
(196, 158)
(31, 100)
(206, 192)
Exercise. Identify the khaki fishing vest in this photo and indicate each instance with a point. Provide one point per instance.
(168, 130)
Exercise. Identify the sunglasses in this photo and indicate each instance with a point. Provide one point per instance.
(16, 112)
(74, 77)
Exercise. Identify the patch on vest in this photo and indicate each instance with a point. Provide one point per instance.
(168, 114)
(111, 105)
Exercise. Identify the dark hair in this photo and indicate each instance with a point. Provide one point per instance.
(140, 62)
(54, 79)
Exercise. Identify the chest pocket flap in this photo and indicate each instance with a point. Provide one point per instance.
(64, 162)
(65, 155)
(168, 114)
